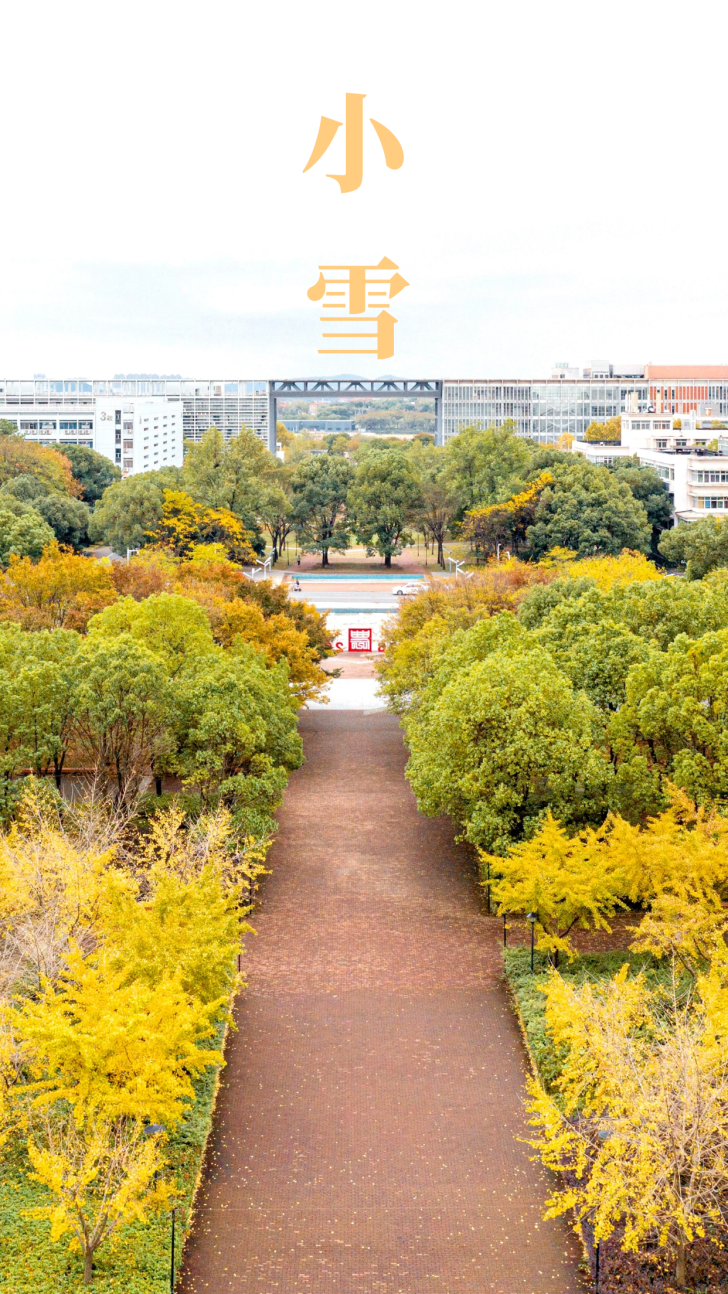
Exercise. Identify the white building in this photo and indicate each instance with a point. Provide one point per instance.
(138, 422)
(687, 452)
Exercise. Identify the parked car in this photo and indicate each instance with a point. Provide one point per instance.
(412, 586)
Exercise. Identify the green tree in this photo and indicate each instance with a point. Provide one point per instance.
(93, 472)
(439, 499)
(596, 657)
(130, 510)
(675, 717)
(23, 531)
(67, 518)
(501, 742)
(384, 500)
(588, 510)
(233, 714)
(647, 486)
(8, 428)
(319, 487)
(220, 473)
(26, 489)
(700, 547)
(175, 628)
(655, 610)
(122, 710)
(488, 465)
(276, 515)
(37, 696)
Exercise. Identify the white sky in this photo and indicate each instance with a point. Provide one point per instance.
(563, 194)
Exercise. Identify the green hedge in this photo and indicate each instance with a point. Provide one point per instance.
(531, 1002)
(139, 1260)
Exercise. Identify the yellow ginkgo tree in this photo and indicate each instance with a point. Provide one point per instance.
(639, 1114)
(101, 1176)
(562, 881)
(111, 1042)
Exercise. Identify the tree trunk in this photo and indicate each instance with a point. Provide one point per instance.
(440, 552)
(157, 784)
(324, 556)
(88, 1267)
(680, 1263)
(387, 559)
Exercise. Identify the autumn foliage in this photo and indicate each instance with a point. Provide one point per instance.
(60, 591)
(118, 962)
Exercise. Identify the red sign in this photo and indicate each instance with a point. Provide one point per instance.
(360, 640)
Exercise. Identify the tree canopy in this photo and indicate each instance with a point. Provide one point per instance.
(383, 501)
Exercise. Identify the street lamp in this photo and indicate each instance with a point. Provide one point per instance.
(505, 932)
(532, 919)
(171, 1268)
(155, 1130)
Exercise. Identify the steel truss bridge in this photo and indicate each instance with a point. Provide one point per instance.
(382, 387)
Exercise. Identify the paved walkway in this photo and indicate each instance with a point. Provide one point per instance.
(367, 1120)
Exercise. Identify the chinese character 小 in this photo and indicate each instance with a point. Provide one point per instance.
(354, 135)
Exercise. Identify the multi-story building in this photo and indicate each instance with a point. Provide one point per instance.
(137, 422)
(566, 403)
(69, 411)
(689, 452)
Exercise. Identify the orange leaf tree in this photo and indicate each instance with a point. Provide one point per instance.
(61, 591)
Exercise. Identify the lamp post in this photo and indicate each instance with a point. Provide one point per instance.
(596, 1267)
(171, 1266)
(532, 919)
(505, 932)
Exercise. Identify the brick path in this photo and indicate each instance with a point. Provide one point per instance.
(367, 1121)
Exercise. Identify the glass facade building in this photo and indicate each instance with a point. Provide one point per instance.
(541, 410)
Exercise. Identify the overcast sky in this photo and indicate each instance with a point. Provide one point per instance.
(563, 193)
